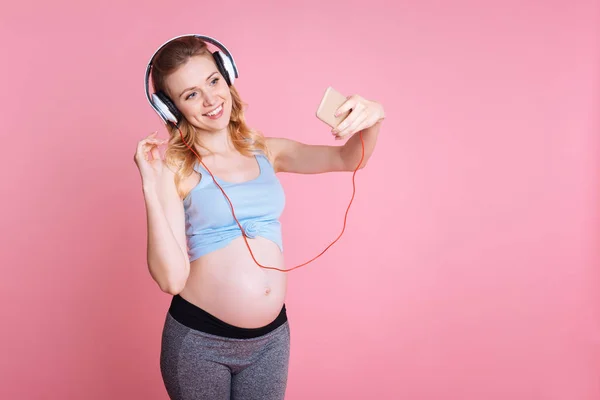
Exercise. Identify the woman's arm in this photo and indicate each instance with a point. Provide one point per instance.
(366, 116)
(167, 257)
(351, 151)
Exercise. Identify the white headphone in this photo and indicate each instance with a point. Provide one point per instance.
(162, 104)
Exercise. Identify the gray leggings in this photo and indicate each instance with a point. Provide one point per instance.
(197, 365)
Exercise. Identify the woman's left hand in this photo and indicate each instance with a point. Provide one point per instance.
(364, 114)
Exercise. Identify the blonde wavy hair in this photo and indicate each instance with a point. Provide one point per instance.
(246, 140)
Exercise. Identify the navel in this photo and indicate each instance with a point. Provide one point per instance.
(267, 291)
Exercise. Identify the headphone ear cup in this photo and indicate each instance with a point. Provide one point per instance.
(167, 108)
(225, 67)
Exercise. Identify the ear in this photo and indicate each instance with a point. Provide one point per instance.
(168, 108)
(224, 66)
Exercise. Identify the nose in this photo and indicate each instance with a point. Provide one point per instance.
(209, 99)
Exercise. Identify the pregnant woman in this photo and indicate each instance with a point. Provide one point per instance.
(226, 333)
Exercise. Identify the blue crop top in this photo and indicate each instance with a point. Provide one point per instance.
(258, 204)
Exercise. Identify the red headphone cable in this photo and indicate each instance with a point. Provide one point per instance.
(244, 233)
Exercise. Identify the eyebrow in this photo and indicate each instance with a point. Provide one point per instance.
(194, 87)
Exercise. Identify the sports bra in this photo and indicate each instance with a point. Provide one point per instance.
(258, 204)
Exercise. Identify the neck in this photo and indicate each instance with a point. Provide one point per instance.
(214, 143)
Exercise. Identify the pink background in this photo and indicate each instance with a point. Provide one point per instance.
(469, 267)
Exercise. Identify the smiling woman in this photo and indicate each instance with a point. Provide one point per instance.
(226, 331)
(188, 96)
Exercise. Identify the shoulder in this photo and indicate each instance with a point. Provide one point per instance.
(278, 147)
(275, 148)
(274, 143)
(271, 146)
(185, 184)
(169, 168)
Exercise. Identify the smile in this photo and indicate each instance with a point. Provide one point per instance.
(216, 112)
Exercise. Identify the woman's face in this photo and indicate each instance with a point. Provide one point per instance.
(201, 93)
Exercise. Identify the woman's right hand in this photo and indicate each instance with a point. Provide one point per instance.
(148, 160)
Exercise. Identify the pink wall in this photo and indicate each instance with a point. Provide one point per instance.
(480, 279)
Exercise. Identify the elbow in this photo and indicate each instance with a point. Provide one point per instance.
(171, 290)
(176, 284)
(171, 282)
(363, 164)
(172, 287)
(352, 167)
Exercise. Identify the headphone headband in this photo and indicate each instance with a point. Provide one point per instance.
(208, 39)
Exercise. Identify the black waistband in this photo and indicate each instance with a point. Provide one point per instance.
(196, 318)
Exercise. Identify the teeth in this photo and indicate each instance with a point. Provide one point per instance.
(216, 111)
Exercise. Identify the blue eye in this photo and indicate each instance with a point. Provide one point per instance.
(212, 83)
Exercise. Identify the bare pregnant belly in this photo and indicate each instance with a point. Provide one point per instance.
(228, 284)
